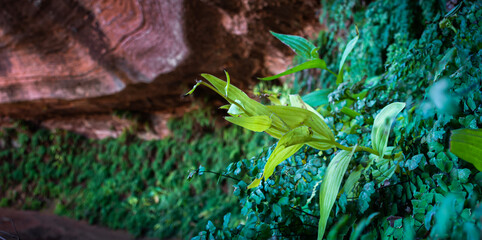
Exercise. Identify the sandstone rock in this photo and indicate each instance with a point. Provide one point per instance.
(62, 59)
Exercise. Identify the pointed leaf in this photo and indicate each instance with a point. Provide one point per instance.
(227, 106)
(255, 123)
(382, 124)
(316, 63)
(228, 79)
(299, 45)
(234, 110)
(352, 181)
(467, 145)
(255, 183)
(348, 49)
(250, 106)
(288, 145)
(296, 101)
(331, 185)
(356, 233)
(193, 88)
(442, 64)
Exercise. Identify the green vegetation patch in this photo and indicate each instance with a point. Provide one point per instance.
(411, 52)
(126, 183)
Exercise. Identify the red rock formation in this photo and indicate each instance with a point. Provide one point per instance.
(63, 59)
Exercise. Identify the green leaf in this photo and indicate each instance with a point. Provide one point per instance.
(443, 162)
(276, 209)
(348, 49)
(193, 88)
(296, 101)
(349, 112)
(210, 227)
(316, 63)
(226, 218)
(288, 145)
(352, 181)
(467, 145)
(446, 59)
(340, 227)
(384, 168)
(382, 124)
(228, 79)
(361, 226)
(412, 164)
(255, 123)
(286, 117)
(235, 96)
(234, 110)
(463, 175)
(299, 45)
(454, 10)
(255, 183)
(317, 98)
(331, 185)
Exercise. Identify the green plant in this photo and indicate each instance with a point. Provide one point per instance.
(300, 124)
(126, 183)
(406, 66)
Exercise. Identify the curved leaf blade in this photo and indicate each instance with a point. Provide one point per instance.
(331, 185)
(299, 45)
(382, 124)
(467, 144)
(235, 95)
(316, 63)
(352, 181)
(288, 145)
(348, 49)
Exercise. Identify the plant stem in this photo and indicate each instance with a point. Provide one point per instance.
(365, 149)
(334, 74)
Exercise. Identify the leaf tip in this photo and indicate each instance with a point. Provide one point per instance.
(255, 183)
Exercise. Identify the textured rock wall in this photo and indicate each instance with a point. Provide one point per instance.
(83, 59)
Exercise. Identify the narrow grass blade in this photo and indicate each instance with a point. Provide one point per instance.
(316, 63)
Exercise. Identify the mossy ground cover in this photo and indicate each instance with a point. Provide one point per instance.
(126, 183)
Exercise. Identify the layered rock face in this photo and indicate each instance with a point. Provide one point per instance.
(72, 63)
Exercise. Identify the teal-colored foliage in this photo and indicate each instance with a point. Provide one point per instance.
(407, 52)
(127, 183)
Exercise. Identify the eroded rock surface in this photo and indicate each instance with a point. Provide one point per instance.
(62, 59)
